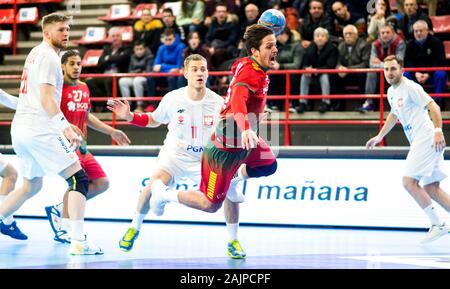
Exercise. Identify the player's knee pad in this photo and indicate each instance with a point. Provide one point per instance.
(263, 171)
(79, 182)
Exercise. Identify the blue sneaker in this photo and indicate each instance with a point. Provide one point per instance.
(62, 236)
(54, 216)
(13, 231)
(366, 107)
(235, 250)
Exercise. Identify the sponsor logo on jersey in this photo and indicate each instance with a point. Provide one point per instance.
(208, 120)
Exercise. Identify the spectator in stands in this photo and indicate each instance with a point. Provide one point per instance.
(290, 56)
(343, 17)
(115, 58)
(222, 37)
(251, 17)
(191, 15)
(168, 22)
(145, 28)
(412, 14)
(169, 58)
(388, 43)
(316, 18)
(381, 14)
(195, 46)
(426, 51)
(141, 61)
(321, 54)
(431, 5)
(302, 6)
(354, 52)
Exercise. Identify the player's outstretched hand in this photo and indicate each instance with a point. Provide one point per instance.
(120, 108)
(371, 143)
(249, 139)
(120, 137)
(73, 138)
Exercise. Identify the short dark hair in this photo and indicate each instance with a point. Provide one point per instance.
(168, 10)
(254, 35)
(138, 43)
(54, 18)
(68, 54)
(168, 32)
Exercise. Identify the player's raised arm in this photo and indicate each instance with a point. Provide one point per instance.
(122, 110)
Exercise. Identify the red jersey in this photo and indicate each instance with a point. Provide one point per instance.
(75, 104)
(244, 103)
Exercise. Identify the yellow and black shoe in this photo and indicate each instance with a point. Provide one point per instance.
(127, 241)
(235, 250)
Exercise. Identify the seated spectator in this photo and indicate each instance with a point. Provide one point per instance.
(251, 17)
(412, 14)
(141, 61)
(195, 46)
(426, 51)
(114, 59)
(343, 17)
(168, 22)
(377, 19)
(222, 37)
(388, 43)
(290, 56)
(169, 58)
(145, 28)
(191, 15)
(354, 52)
(315, 18)
(431, 5)
(321, 54)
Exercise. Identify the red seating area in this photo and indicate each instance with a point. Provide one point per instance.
(441, 24)
(91, 57)
(24, 16)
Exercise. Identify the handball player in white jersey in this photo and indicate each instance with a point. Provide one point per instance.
(42, 137)
(424, 170)
(191, 113)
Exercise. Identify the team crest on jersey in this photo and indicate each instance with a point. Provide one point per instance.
(400, 102)
(180, 119)
(181, 110)
(208, 120)
(71, 106)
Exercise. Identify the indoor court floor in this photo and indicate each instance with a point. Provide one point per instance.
(199, 246)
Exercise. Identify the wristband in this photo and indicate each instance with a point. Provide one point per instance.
(60, 122)
(140, 119)
(438, 129)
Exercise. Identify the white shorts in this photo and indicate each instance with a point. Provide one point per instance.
(423, 163)
(179, 166)
(41, 152)
(3, 163)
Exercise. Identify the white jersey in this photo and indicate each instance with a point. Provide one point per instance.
(190, 123)
(42, 66)
(408, 102)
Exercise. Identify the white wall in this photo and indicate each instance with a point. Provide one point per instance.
(375, 194)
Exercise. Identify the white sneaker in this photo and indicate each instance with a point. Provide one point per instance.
(235, 191)
(157, 202)
(435, 232)
(84, 247)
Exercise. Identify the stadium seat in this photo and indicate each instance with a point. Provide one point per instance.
(5, 38)
(175, 6)
(441, 24)
(91, 57)
(119, 12)
(153, 7)
(93, 35)
(28, 15)
(447, 49)
(10, 2)
(6, 16)
(127, 34)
